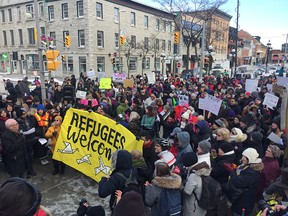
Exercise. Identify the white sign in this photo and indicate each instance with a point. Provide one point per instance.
(274, 138)
(212, 104)
(119, 77)
(2, 85)
(151, 77)
(101, 75)
(269, 87)
(91, 74)
(183, 99)
(282, 81)
(251, 85)
(270, 100)
(201, 103)
(81, 94)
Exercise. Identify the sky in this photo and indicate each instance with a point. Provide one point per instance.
(265, 18)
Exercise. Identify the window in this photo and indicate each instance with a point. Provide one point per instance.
(157, 24)
(169, 27)
(116, 14)
(18, 13)
(169, 45)
(51, 15)
(31, 38)
(80, 9)
(70, 64)
(42, 31)
(117, 40)
(133, 19)
(132, 63)
(147, 63)
(157, 63)
(146, 21)
(100, 64)
(20, 33)
(3, 16)
(164, 26)
(65, 33)
(30, 10)
(133, 41)
(81, 38)
(99, 10)
(4, 38)
(146, 43)
(82, 64)
(100, 38)
(53, 42)
(41, 9)
(64, 11)
(163, 45)
(10, 15)
(12, 38)
(157, 44)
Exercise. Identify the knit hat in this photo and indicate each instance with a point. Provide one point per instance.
(275, 150)
(186, 114)
(40, 107)
(248, 93)
(205, 146)
(20, 112)
(256, 137)
(226, 147)
(167, 157)
(133, 116)
(59, 118)
(189, 159)
(219, 123)
(252, 155)
(48, 106)
(231, 113)
(175, 131)
(167, 107)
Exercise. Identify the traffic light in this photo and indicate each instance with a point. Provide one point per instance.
(67, 41)
(52, 63)
(63, 58)
(113, 61)
(122, 40)
(176, 37)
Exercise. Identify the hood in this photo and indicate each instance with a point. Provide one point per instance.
(202, 125)
(123, 160)
(170, 182)
(183, 138)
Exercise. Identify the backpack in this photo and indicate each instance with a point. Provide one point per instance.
(169, 203)
(211, 193)
(131, 183)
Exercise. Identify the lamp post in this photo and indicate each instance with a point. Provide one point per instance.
(163, 56)
(232, 56)
(119, 37)
(267, 54)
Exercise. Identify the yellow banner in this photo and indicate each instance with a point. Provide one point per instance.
(87, 141)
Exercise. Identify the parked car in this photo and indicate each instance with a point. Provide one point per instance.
(217, 70)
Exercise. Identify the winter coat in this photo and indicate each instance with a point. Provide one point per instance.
(193, 183)
(49, 135)
(108, 186)
(14, 153)
(168, 127)
(24, 88)
(219, 173)
(184, 146)
(152, 193)
(204, 157)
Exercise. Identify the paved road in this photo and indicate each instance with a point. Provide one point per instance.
(62, 193)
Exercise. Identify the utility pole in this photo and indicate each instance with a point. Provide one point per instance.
(236, 43)
(202, 50)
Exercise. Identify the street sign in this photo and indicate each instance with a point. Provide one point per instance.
(5, 56)
(115, 54)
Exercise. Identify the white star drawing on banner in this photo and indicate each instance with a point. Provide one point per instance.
(102, 167)
(68, 149)
(84, 159)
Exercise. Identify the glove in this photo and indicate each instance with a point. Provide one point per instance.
(229, 167)
(54, 133)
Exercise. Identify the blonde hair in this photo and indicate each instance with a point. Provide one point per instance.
(136, 155)
(224, 132)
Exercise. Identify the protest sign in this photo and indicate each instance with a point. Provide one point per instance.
(101, 75)
(269, 87)
(282, 81)
(87, 141)
(91, 74)
(151, 77)
(81, 94)
(128, 83)
(270, 100)
(84, 102)
(119, 77)
(251, 85)
(212, 104)
(105, 83)
(183, 99)
(201, 103)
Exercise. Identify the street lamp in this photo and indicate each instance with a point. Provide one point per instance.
(232, 56)
(267, 54)
(163, 56)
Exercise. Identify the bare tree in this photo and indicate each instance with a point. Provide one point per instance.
(128, 49)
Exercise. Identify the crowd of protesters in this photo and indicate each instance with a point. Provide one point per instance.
(181, 142)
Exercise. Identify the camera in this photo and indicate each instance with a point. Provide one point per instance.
(262, 204)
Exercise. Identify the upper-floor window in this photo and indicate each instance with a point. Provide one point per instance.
(117, 40)
(133, 19)
(81, 38)
(18, 13)
(31, 38)
(133, 41)
(10, 15)
(157, 24)
(157, 44)
(12, 37)
(30, 11)
(20, 36)
(146, 43)
(80, 8)
(51, 15)
(169, 27)
(146, 24)
(116, 14)
(53, 35)
(64, 11)
(99, 10)
(41, 9)
(164, 26)
(169, 45)
(100, 38)
(163, 45)
(4, 38)
(3, 20)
